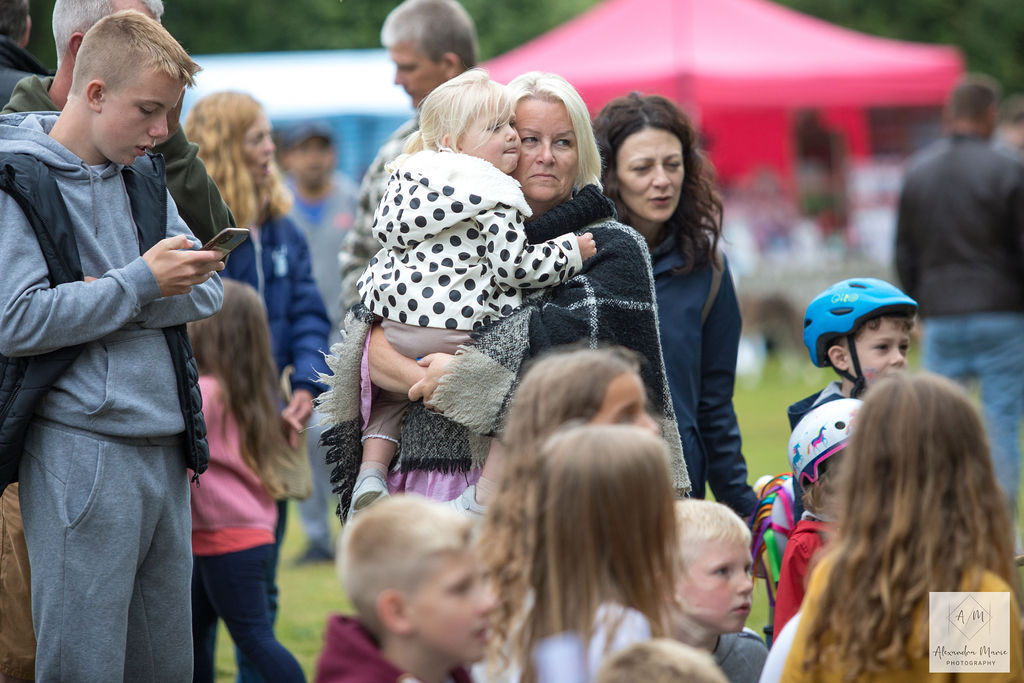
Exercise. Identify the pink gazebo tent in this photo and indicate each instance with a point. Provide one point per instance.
(741, 67)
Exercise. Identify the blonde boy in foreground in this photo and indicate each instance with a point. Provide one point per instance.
(715, 588)
(660, 660)
(100, 277)
(422, 608)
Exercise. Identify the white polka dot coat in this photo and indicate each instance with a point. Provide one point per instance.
(455, 255)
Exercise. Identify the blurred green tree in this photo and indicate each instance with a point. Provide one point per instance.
(990, 32)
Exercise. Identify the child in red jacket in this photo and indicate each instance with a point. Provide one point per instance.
(409, 567)
(819, 436)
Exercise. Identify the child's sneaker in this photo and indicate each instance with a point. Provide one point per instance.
(370, 486)
(466, 503)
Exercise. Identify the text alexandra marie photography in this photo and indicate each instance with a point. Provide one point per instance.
(969, 632)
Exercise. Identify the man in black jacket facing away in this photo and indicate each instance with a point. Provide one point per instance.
(15, 61)
(960, 253)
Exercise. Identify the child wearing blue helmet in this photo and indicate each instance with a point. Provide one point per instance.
(861, 327)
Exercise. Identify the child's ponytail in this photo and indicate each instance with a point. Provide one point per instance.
(414, 143)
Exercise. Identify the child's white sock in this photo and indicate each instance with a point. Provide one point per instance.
(370, 468)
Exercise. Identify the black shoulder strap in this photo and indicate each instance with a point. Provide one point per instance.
(717, 268)
(29, 183)
(146, 183)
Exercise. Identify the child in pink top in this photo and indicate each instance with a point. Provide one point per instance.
(233, 511)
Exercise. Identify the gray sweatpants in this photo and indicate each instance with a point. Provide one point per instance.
(108, 526)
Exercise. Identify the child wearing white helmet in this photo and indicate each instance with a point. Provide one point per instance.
(820, 436)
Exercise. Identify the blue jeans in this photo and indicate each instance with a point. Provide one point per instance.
(232, 586)
(247, 670)
(986, 347)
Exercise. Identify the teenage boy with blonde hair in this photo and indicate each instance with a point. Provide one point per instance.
(200, 205)
(100, 277)
(715, 589)
(422, 607)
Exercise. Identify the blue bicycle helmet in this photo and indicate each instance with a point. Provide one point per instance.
(844, 306)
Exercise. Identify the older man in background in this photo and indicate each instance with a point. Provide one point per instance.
(430, 41)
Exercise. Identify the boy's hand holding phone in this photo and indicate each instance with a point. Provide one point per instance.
(177, 266)
(226, 241)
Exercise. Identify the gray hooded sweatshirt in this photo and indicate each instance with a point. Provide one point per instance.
(123, 383)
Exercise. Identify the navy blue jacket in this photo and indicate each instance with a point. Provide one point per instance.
(284, 278)
(700, 361)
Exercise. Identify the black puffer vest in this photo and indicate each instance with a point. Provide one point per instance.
(25, 381)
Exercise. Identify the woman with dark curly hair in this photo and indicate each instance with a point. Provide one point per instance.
(663, 187)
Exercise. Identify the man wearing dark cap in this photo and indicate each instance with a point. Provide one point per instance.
(324, 208)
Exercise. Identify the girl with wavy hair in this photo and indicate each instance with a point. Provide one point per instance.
(938, 524)
(235, 143)
(663, 187)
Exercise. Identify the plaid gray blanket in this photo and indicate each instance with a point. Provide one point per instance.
(611, 302)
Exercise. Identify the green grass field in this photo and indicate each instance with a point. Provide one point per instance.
(310, 593)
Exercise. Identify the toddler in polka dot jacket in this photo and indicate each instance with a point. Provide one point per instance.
(455, 256)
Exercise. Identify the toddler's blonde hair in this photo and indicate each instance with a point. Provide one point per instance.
(452, 107)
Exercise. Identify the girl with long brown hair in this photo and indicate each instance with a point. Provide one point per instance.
(235, 142)
(939, 523)
(233, 512)
(596, 386)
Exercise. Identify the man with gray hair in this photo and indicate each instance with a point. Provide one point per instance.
(15, 61)
(430, 41)
(200, 205)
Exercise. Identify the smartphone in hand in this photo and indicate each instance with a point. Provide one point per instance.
(227, 240)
